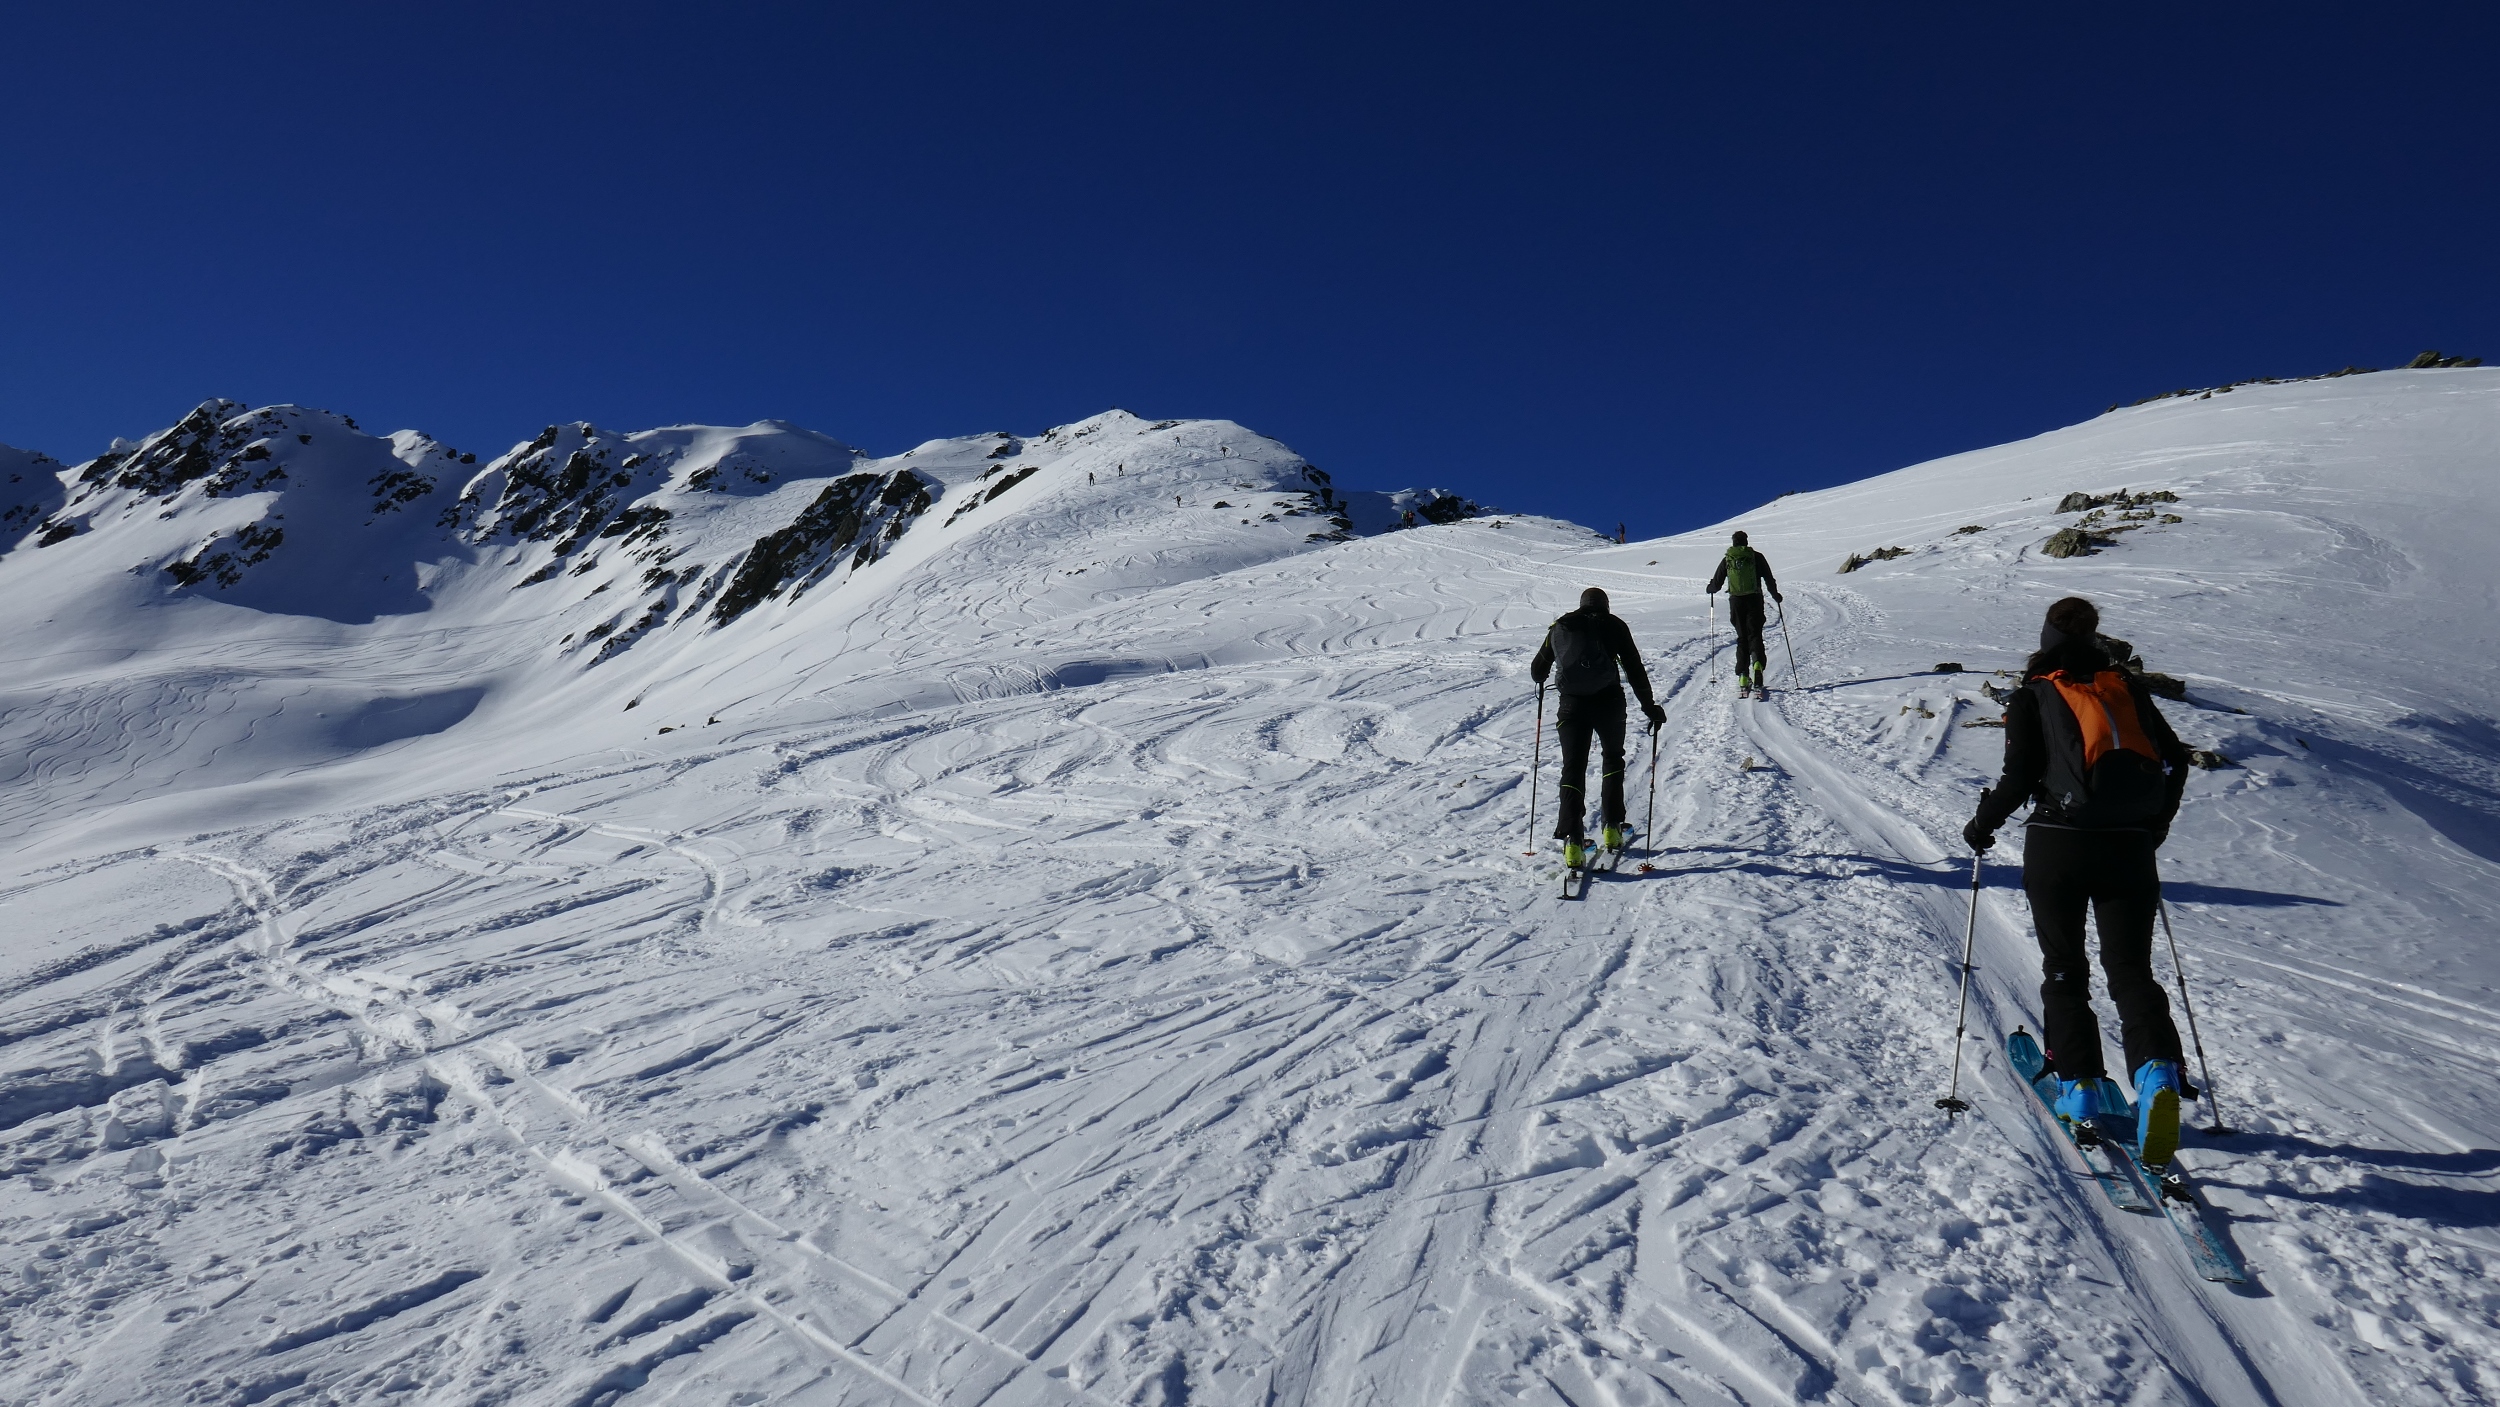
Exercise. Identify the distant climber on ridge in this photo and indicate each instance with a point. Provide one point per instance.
(1746, 574)
(1582, 651)
(2087, 748)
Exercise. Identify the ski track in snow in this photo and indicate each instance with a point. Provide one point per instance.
(1206, 1036)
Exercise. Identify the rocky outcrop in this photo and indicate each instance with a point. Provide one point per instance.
(856, 514)
(2420, 362)
(561, 487)
(1880, 554)
(2097, 529)
(2124, 656)
(2075, 542)
(30, 493)
(224, 559)
(990, 485)
(2079, 501)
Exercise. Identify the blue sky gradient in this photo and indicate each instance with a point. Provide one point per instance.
(1649, 263)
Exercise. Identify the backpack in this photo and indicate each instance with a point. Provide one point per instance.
(2103, 769)
(1584, 659)
(1744, 578)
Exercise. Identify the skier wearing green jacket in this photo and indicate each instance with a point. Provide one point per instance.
(1746, 574)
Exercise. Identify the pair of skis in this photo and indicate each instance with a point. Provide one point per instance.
(2107, 1146)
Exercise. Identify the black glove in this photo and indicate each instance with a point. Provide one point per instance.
(1657, 716)
(1779, 598)
(1976, 836)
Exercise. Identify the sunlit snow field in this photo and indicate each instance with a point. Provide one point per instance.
(1090, 954)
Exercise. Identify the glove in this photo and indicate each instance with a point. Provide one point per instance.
(1976, 836)
(1779, 598)
(1657, 716)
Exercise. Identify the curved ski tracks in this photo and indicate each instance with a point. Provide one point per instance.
(1197, 1036)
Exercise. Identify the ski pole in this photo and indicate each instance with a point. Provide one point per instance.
(1650, 823)
(1712, 627)
(1784, 644)
(1952, 1103)
(1536, 767)
(2203, 1066)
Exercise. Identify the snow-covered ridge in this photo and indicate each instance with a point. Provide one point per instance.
(403, 570)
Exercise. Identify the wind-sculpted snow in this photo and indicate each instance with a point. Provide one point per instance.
(1093, 959)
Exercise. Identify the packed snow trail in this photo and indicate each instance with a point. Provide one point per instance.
(1162, 1010)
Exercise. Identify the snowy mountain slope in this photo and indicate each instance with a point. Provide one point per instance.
(1092, 959)
(576, 574)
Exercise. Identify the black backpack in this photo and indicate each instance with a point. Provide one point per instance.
(2103, 771)
(1584, 659)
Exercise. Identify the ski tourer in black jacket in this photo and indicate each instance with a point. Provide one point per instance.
(2036, 730)
(2077, 860)
(1582, 651)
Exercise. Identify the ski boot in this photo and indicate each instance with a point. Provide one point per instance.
(1615, 838)
(1575, 854)
(2157, 1112)
(2082, 1105)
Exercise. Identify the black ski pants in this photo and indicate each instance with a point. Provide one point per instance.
(2112, 873)
(1579, 716)
(1744, 614)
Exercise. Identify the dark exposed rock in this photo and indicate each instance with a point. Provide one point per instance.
(1950, 667)
(2074, 542)
(222, 560)
(394, 489)
(29, 495)
(1880, 554)
(978, 496)
(2123, 655)
(189, 450)
(2204, 392)
(861, 509)
(1968, 529)
(2209, 760)
(2433, 359)
(2079, 501)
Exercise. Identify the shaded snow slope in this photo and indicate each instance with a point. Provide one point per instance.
(1093, 958)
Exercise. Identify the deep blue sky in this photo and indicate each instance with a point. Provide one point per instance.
(1648, 262)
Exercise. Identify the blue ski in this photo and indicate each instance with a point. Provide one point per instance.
(2166, 1187)
(2024, 1054)
(2210, 1253)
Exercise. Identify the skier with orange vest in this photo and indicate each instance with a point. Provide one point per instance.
(2104, 775)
